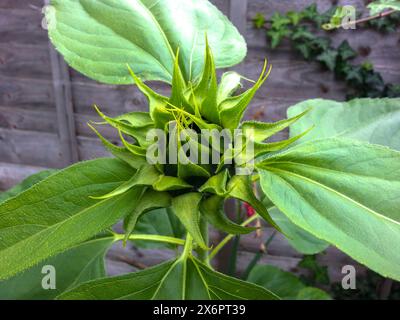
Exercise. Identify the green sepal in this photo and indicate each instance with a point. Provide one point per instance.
(137, 119)
(232, 109)
(121, 153)
(263, 130)
(205, 93)
(157, 103)
(216, 184)
(139, 133)
(240, 187)
(149, 200)
(212, 209)
(167, 183)
(145, 176)
(186, 208)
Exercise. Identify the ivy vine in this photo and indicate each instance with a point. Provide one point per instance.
(302, 27)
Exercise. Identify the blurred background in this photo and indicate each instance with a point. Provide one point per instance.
(44, 108)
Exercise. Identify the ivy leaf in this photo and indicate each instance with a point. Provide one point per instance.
(182, 279)
(378, 6)
(328, 187)
(81, 263)
(284, 284)
(58, 213)
(345, 51)
(328, 58)
(278, 21)
(277, 36)
(99, 38)
(259, 20)
(372, 120)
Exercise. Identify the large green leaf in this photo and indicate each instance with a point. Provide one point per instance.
(286, 285)
(180, 279)
(343, 191)
(298, 238)
(25, 184)
(79, 264)
(381, 5)
(100, 37)
(58, 213)
(373, 120)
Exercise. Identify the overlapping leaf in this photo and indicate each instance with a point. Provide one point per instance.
(329, 188)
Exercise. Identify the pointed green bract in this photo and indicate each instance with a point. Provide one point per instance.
(230, 83)
(216, 184)
(186, 208)
(166, 183)
(180, 279)
(262, 130)
(150, 200)
(329, 188)
(232, 109)
(212, 209)
(240, 187)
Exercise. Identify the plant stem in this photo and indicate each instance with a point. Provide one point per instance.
(203, 254)
(148, 237)
(229, 238)
(366, 19)
(235, 247)
(257, 257)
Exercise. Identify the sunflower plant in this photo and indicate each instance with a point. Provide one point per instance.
(179, 163)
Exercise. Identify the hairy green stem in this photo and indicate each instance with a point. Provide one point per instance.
(150, 237)
(229, 238)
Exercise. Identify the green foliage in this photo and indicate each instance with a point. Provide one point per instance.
(301, 28)
(99, 38)
(375, 121)
(324, 189)
(58, 212)
(285, 284)
(185, 278)
(380, 5)
(328, 187)
(81, 263)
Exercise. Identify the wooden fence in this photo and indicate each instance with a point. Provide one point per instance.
(44, 105)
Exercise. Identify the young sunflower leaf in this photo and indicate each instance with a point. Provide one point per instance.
(186, 208)
(79, 264)
(329, 188)
(378, 6)
(373, 120)
(58, 213)
(240, 187)
(98, 38)
(180, 279)
(150, 200)
(212, 209)
(231, 110)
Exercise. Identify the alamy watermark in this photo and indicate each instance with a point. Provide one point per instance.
(185, 146)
